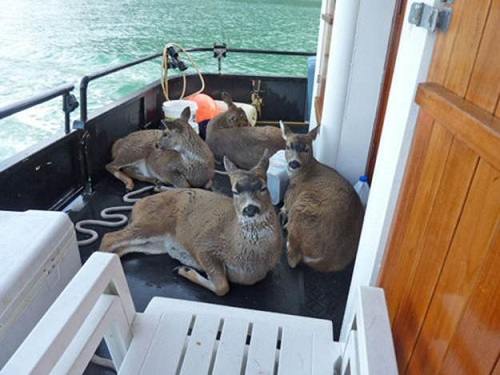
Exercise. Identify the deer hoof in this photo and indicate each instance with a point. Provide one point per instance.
(292, 257)
(283, 218)
(182, 270)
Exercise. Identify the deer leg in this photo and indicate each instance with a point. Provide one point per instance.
(114, 169)
(208, 185)
(283, 216)
(216, 281)
(294, 255)
(130, 240)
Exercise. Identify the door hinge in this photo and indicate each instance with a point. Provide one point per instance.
(429, 17)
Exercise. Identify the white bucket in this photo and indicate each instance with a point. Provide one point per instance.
(173, 109)
(277, 177)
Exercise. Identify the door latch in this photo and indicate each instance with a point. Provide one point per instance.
(429, 17)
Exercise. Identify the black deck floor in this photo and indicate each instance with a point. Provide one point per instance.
(299, 291)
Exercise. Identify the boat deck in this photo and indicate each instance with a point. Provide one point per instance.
(299, 291)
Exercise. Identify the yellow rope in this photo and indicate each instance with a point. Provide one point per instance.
(164, 72)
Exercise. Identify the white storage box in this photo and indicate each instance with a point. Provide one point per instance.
(277, 177)
(173, 109)
(38, 257)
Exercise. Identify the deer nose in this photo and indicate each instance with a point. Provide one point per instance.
(294, 164)
(251, 210)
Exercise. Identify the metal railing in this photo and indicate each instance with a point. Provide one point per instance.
(84, 82)
(69, 103)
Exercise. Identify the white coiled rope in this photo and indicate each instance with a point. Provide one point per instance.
(111, 217)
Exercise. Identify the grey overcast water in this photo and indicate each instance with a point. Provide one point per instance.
(49, 42)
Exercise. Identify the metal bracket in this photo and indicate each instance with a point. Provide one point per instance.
(430, 18)
(220, 51)
(70, 103)
(78, 124)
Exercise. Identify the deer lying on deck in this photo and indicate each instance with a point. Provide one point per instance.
(323, 210)
(174, 156)
(237, 240)
(230, 134)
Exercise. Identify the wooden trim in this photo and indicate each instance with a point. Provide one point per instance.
(318, 108)
(384, 96)
(328, 18)
(474, 126)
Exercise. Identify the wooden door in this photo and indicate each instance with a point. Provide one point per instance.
(442, 268)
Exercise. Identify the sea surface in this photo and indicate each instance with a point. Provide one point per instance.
(44, 43)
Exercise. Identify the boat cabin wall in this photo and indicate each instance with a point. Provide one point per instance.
(45, 178)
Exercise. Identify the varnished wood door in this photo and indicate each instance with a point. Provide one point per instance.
(442, 267)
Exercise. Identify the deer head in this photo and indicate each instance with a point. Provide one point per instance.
(299, 149)
(250, 196)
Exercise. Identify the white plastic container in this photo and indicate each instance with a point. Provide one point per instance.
(277, 177)
(363, 189)
(38, 257)
(173, 109)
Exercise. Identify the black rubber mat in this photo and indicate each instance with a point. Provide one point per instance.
(299, 291)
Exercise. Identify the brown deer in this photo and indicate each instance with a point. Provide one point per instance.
(231, 240)
(323, 210)
(229, 134)
(174, 156)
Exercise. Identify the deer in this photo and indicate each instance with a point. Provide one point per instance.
(323, 212)
(174, 156)
(230, 134)
(231, 239)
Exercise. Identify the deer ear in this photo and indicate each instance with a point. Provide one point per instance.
(285, 130)
(263, 164)
(229, 165)
(313, 133)
(227, 99)
(186, 114)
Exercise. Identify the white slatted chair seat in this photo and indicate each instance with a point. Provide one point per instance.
(176, 336)
(192, 338)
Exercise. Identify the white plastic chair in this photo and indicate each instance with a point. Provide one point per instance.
(183, 337)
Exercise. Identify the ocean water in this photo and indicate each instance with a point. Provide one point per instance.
(50, 42)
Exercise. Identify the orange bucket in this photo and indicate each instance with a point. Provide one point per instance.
(207, 109)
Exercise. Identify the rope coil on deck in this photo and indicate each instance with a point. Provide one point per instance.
(111, 217)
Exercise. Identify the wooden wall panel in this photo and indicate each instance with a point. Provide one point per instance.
(405, 205)
(471, 124)
(403, 268)
(443, 49)
(484, 88)
(467, 41)
(476, 341)
(432, 244)
(461, 270)
(496, 370)
(467, 58)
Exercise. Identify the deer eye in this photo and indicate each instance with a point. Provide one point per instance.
(263, 189)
